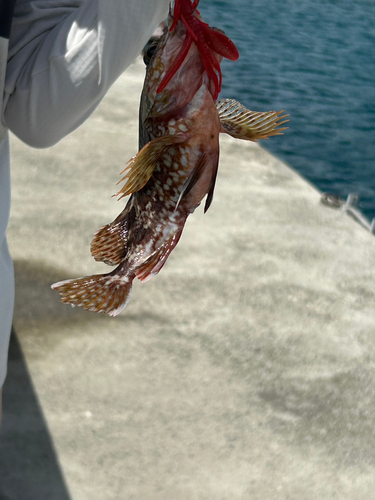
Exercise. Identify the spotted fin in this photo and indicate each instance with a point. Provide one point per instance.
(103, 293)
(241, 123)
(156, 261)
(109, 244)
(140, 167)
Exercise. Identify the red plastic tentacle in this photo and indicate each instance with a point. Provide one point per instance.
(196, 23)
(221, 44)
(208, 66)
(210, 63)
(176, 63)
(188, 27)
(176, 14)
(207, 40)
(207, 55)
(218, 76)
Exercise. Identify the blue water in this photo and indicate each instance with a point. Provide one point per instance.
(316, 60)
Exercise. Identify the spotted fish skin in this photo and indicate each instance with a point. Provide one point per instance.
(175, 168)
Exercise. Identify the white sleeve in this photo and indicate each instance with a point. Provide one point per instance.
(64, 56)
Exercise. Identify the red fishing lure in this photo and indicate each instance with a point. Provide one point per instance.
(206, 39)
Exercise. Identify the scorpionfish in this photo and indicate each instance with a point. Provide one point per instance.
(177, 163)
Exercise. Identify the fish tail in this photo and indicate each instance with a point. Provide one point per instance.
(104, 293)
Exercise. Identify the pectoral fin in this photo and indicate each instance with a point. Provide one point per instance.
(241, 123)
(140, 168)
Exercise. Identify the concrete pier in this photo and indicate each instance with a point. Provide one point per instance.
(244, 370)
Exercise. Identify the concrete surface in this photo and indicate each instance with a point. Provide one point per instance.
(244, 370)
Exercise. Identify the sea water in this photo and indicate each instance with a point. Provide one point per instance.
(316, 60)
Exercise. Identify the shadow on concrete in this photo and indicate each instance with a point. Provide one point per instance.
(29, 468)
(37, 307)
(35, 301)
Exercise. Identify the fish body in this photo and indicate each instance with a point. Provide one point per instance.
(176, 166)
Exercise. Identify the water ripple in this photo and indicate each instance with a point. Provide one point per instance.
(316, 59)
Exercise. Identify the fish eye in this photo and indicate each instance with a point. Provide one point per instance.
(149, 52)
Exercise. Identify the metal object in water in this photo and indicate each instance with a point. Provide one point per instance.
(350, 207)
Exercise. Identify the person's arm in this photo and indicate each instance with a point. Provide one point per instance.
(64, 57)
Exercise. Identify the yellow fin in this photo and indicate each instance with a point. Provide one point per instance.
(241, 123)
(140, 167)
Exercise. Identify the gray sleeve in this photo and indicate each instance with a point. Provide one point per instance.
(63, 58)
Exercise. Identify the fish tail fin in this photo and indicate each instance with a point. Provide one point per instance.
(241, 123)
(109, 244)
(104, 293)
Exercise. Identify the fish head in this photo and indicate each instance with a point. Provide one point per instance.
(187, 80)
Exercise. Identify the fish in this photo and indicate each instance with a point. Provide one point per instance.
(176, 167)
